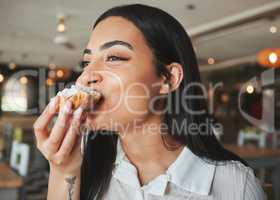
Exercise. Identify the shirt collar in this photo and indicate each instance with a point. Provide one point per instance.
(187, 172)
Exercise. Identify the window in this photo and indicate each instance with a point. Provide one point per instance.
(15, 96)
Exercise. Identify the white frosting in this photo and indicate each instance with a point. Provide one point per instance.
(67, 92)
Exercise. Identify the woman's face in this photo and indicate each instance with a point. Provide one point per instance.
(119, 64)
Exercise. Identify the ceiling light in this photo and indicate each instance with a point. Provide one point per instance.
(61, 24)
(1, 78)
(23, 80)
(225, 98)
(250, 89)
(60, 73)
(211, 61)
(12, 65)
(273, 29)
(52, 74)
(269, 57)
(61, 28)
(273, 58)
(52, 66)
(49, 82)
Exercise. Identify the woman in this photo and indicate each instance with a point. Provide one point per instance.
(150, 138)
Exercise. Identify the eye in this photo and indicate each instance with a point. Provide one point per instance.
(112, 58)
(84, 64)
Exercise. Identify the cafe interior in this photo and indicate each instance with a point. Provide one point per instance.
(237, 44)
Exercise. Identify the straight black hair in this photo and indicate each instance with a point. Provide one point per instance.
(169, 43)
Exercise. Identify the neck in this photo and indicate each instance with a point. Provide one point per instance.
(146, 145)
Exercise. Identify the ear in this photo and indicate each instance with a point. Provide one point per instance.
(176, 77)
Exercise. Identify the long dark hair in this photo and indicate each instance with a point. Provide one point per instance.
(169, 43)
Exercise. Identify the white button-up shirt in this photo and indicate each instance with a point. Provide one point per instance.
(188, 177)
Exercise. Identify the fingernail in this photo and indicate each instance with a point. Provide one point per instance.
(78, 113)
(68, 107)
(53, 102)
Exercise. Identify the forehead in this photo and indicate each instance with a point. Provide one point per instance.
(115, 28)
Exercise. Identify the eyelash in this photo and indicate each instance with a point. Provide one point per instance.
(84, 64)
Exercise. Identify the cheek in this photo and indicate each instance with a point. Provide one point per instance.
(127, 96)
(112, 87)
(137, 96)
(138, 86)
(136, 99)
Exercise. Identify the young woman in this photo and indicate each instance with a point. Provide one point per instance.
(151, 137)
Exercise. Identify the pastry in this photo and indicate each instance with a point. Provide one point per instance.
(78, 96)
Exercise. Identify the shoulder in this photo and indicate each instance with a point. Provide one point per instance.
(234, 169)
(238, 179)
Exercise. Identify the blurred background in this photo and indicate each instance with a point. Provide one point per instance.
(238, 50)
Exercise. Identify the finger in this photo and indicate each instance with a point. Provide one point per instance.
(60, 127)
(41, 124)
(70, 138)
(85, 105)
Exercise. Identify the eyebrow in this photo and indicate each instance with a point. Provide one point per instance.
(110, 44)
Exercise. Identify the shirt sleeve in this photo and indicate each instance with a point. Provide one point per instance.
(253, 189)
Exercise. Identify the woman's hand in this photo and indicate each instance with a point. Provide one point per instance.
(60, 144)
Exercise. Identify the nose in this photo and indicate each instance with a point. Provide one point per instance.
(88, 78)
